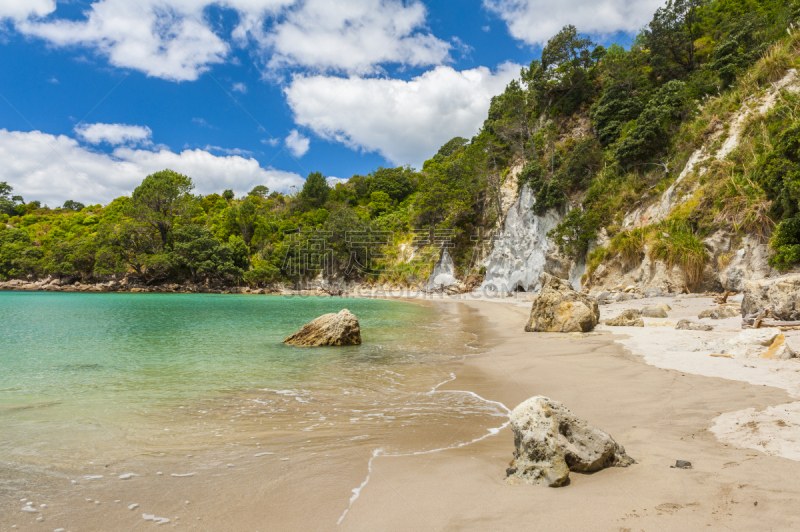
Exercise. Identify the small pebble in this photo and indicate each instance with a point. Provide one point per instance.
(133, 506)
(97, 502)
(159, 473)
(74, 481)
(39, 518)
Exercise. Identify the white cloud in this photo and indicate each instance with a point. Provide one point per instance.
(173, 40)
(297, 143)
(228, 151)
(239, 87)
(271, 142)
(353, 36)
(22, 9)
(37, 171)
(535, 21)
(406, 121)
(114, 134)
(165, 39)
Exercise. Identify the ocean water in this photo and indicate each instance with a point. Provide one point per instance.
(101, 376)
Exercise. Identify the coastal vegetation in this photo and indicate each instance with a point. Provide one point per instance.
(595, 132)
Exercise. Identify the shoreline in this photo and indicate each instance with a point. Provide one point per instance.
(659, 415)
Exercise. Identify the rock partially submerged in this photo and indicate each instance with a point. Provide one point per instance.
(628, 318)
(550, 441)
(560, 308)
(328, 330)
(689, 325)
(780, 294)
(754, 343)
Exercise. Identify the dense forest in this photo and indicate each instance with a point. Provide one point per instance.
(639, 113)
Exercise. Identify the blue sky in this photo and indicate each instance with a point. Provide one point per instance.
(95, 94)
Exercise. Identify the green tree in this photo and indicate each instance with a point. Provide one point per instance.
(395, 182)
(652, 130)
(560, 81)
(671, 37)
(131, 245)
(617, 106)
(8, 203)
(242, 219)
(315, 190)
(260, 191)
(160, 199)
(228, 195)
(71, 205)
(196, 251)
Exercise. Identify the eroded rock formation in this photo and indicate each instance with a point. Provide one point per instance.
(550, 441)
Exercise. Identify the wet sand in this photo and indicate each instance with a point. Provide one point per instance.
(658, 415)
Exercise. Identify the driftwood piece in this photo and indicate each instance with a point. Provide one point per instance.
(720, 355)
(721, 300)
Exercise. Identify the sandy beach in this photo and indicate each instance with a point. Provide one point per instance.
(659, 415)
(661, 407)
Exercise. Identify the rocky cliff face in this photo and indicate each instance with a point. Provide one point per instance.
(522, 251)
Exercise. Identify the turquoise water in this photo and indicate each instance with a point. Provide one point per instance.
(157, 348)
(85, 374)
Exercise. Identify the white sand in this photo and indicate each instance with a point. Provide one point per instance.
(774, 431)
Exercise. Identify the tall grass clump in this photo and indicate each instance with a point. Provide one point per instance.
(595, 258)
(676, 245)
(629, 245)
(773, 65)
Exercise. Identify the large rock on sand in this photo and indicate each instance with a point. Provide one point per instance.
(550, 442)
(560, 308)
(780, 294)
(329, 329)
(754, 343)
(628, 318)
(720, 313)
(654, 311)
(689, 325)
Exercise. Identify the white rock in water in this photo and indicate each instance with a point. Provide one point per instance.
(551, 441)
(29, 509)
(133, 506)
(126, 476)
